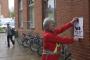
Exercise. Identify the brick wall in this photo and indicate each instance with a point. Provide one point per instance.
(16, 13)
(38, 15)
(4, 8)
(65, 10)
(25, 13)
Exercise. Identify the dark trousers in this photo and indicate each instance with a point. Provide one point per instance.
(9, 37)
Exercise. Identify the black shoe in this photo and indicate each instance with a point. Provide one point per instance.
(13, 42)
(8, 46)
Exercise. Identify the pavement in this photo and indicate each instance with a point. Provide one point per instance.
(15, 52)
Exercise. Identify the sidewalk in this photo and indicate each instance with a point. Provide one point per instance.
(14, 52)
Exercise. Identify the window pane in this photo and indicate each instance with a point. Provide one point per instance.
(32, 1)
(51, 8)
(20, 4)
(32, 17)
(31, 22)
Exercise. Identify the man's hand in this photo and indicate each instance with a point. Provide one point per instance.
(74, 20)
(76, 39)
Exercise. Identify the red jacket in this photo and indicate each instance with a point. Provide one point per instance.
(50, 40)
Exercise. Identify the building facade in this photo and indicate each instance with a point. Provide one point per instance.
(4, 10)
(31, 13)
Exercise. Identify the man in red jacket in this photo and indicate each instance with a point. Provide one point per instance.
(52, 39)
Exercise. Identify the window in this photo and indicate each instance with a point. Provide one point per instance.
(51, 8)
(20, 21)
(44, 8)
(48, 9)
(31, 22)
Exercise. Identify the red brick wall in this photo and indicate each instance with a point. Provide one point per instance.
(5, 9)
(25, 13)
(16, 12)
(20, 30)
(65, 10)
(38, 15)
(63, 14)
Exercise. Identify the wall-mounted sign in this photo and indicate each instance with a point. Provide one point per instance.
(78, 28)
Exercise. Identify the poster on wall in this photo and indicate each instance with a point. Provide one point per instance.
(78, 28)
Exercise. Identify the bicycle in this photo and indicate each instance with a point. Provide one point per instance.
(24, 40)
(32, 41)
(36, 44)
(66, 54)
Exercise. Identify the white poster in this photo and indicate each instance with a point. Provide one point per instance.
(78, 28)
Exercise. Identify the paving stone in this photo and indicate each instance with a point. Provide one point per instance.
(14, 52)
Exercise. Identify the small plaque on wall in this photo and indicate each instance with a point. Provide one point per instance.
(78, 28)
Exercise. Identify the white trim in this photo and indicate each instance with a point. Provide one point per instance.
(31, 13)
(21, 5)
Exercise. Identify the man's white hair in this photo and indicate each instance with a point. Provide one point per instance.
(47, 21)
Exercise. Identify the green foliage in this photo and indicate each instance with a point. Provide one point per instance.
(12, 14)
(1, 29)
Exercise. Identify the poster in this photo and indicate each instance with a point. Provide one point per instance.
(78, 28)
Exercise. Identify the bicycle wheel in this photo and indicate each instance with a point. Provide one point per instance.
(34, 47)
(39, 51)
(35, 44)
(19, 41)
(26, 43)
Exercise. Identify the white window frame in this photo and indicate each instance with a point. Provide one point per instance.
(21, 5)
(31, 22)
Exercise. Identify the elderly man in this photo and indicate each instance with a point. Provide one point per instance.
(52, 39)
